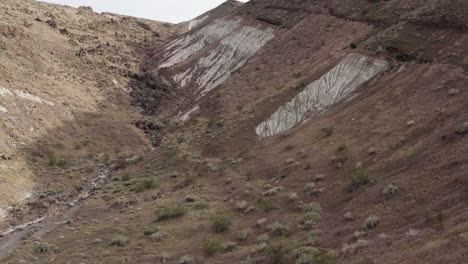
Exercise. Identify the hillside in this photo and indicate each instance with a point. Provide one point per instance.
(267, 132)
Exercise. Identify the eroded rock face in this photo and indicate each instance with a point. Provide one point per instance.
(200, 61)
(334, 86)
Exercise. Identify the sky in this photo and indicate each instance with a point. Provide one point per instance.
(173, 11)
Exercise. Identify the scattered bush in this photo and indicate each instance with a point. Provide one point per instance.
(351, 249)
(276, 253)
(220, 223)
(263, 239)
(200, 205)
(437, 222)
(146, 184)
(321, 257)
(463, 128)
(210, 247)
(312, 207)
(266, 204)
(53, 161)
(390, 190)
(249, 176)
(359, 180)
(371, 222)
(327, 131)
(244, 234)
(186, 260)
(306, 250)
(120, 241)
(43, 248)
(311, 213)
(158, 236)
(228, 246)
(165, 257)
(165, 213)
(278, 229)
(125, 176)
(149, 232)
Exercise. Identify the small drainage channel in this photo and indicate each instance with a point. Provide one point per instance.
(7, 244)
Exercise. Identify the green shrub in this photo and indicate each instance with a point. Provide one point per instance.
(278, 229)
(120, 241)
(371, 222)
(390, 189)
(146, 184)
(244, 234)
(319, 257)
(200, 205)
(358, 180)
(186, 260)
(312, 207)
(165, 213)
(264, 238)
(266, 204)
(62, 163)
(43, 248)
(125, 176)
(276, 253)
(228, 246)
(327, 131)
(210, 247)
(220, 223)
(149, 232)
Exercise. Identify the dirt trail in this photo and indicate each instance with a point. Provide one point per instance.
(11, 238)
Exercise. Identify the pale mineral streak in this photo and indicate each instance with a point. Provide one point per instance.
(336, 85)
(233, 44)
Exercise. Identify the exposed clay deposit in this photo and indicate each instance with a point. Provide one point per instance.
(24, 95)
(186, 116)
(194, 23)
(334, 86)
(237, 43)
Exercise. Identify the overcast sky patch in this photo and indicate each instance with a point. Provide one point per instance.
(173, 11)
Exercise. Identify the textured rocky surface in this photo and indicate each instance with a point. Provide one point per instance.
(333, 87)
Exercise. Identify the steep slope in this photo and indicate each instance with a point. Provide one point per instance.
(284, 132)
(59, 65)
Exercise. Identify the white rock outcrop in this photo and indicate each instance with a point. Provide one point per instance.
(336, 85)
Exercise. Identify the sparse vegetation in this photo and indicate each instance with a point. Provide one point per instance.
(120, 241)
(55, 162)
(277, 253)
(200, 205)
(125, 176)
(311, 213)
(249, 176)
(266, 204)
(220, 223)
(210, 247)
(318, 257)
(186, 260)
(463, 128)
(371, 222)
(43, 248)
(244, 234)
(145, 184)
(327, 132)
(278, 229)
(390, 190)
(437, 222)
(359, 180)
(158, 236)
(264, 238)
(165, 213)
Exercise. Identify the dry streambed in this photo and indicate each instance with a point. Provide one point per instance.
(11, 237)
